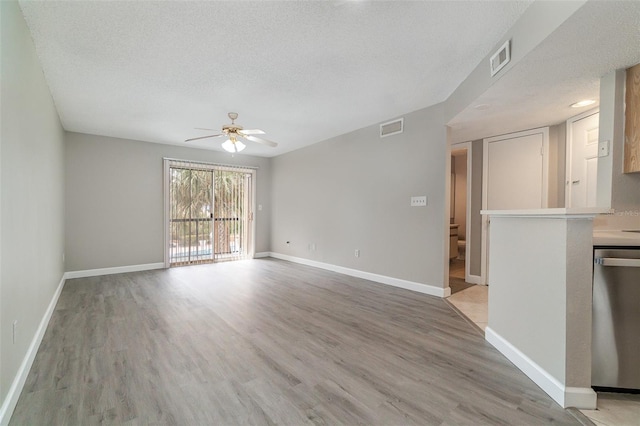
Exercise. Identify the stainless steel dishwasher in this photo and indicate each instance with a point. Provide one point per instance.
(616, 318)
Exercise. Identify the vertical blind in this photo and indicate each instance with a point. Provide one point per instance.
(210, 212)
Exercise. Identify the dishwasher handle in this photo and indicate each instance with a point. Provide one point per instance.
(617, 261)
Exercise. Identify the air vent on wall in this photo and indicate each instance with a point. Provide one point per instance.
(500, 58)
(392, 127)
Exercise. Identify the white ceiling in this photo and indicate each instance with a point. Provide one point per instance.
(301, 71)
(600, 37)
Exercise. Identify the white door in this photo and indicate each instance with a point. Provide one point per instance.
(515, 171)
(582, 167)
(515, 177)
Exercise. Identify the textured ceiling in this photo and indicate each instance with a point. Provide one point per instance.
(565, 68)
(301, 71)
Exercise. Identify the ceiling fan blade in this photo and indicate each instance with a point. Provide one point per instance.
(203, 128)
(203, 137)
(253, 132)
(262, 141)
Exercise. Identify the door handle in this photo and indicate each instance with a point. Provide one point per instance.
(616, 261)
(575, 182)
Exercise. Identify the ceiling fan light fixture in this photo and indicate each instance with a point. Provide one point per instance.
(233, 132)
(233, 146)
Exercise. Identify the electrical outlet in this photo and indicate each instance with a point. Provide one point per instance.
(419, 201)
(357, 253)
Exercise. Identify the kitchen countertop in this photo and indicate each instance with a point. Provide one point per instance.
(616, 238)
(550, 213)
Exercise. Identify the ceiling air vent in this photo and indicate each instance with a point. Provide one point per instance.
(392, 127)
(500, 58)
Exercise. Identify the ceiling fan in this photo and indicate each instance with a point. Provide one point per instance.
(234, 132)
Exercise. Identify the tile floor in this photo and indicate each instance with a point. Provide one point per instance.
(473, 303)
(614, 409)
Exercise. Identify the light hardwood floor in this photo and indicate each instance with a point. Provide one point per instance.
(268, 342)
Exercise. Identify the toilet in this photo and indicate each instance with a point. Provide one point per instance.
(462, 247)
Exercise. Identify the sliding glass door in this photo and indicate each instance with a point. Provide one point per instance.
(209, 213)
(191, 209)
(232, 214)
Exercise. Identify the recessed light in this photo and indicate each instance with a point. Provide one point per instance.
(584, 103)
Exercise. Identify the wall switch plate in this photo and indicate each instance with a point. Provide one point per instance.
(419, 201)
(15, 331)
(603, 148)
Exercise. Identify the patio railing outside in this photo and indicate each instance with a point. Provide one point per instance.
(192, 240)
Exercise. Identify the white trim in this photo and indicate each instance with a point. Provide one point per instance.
(261, 255)
(474, 279)
(9, 403)
(583, 398)
(254, 196)
(395, 282)
(568, 151)
(204, 163)
(506, 47)
(114, 270)
(166, 170)
(468, 146)
(401, 120)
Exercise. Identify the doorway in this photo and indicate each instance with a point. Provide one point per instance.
(464, 230)
(459, 217)
(582, 159)
(209, 213)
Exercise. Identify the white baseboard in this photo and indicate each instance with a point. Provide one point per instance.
(114, 270)
(583, 398)
(261, 255)
(9, 403)
(396, 282)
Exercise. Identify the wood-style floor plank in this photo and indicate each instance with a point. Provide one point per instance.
(267, 342)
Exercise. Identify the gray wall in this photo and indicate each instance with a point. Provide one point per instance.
(543, 307)
(31, 194)
(114, 199)
(557, 166)
(352, 192)
(561, 157)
